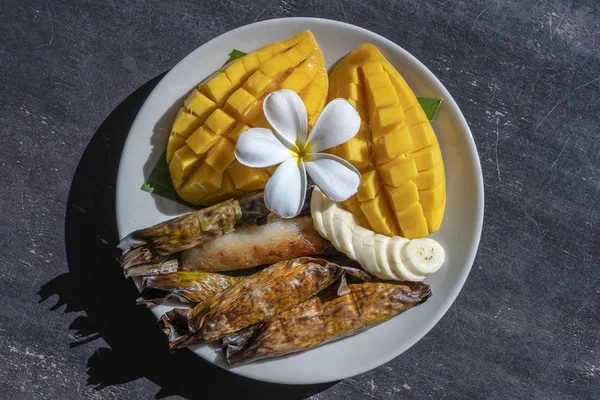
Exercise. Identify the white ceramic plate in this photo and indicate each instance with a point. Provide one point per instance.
(460, 229)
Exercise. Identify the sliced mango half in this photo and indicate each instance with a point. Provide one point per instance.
(403, 186)
(200, 149)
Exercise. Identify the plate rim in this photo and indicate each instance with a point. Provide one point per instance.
(449, 101)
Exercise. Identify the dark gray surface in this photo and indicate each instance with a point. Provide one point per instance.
(526, 76)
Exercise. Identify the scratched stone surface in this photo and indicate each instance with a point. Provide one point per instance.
(526, 75)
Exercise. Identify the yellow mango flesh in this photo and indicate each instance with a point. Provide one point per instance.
(403, 187)
(200, 149)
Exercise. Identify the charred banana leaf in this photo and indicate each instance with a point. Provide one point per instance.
(322, 319)
(255, 298)
(194, 287)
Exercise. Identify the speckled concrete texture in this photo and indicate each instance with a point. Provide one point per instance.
(526, 75)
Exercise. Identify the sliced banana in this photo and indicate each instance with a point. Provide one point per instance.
(423, 256)
(394, 258)
(365, 255)
(316, 205)
(342, 231)
(383, 268)
(329, 223)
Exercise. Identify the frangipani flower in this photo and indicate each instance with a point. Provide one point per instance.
(300, 153)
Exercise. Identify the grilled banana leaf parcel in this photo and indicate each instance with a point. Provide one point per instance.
(322, 319)
(193, 287)
(255, 298)
(192, 229)
(247, 247)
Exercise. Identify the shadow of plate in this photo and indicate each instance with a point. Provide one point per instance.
(95, 285)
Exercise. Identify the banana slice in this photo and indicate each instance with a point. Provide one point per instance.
(366, 254)
(342, 232)
(316, 205)
(394, 258)
(328, 222)
(401, 271)
(383, 269)
(423, 256)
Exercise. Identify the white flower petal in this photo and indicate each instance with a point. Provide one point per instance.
(286, 113)
(286, 190)
(258, 148)
(336, 177)
(337, 123)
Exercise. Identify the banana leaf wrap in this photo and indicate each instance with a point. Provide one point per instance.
(157, 249)
(322, 319)
(255, 298)
(193, 287)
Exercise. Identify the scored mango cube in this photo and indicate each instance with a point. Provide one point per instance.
(418, 230)
(415, 116)
(422, 136)
(217, 88)
(296, 81)
(349, 91)
(434, 198)
(257, 83)
(237, 131)
(384, 97)
(369, 186)
(427, 158)
(295, 56)
(431, 178)
(204, 180)
(410, 216)
(226, 191)
(378, 81)
(349, 75)
(434, 218)
(245, 178)
(391, 145)
(239, 102)
(372, 68)
(250, 62)
(355, 151)
(202, 140)
(259, 120)
(405, 94)
(236, 72)
(353, 205)
(398, 171)
(181, 164)
(364, 132)
(185, 123)
(264, 54)
(306, 46)
(175, 142)
(403, 195)
(221, 155)
(310, 103)
(390, 115)
(219, 121)
(275, 66)
(199, 104)
(379, 215)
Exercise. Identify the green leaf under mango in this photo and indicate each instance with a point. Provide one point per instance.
(235, 54)
(430, 105)
(159, 182)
